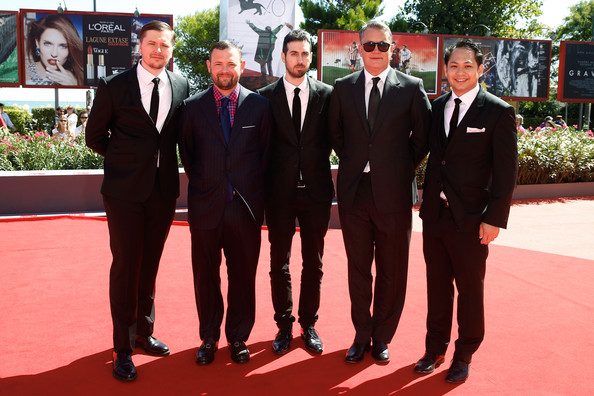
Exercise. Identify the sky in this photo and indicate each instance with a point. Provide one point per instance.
(553, 13)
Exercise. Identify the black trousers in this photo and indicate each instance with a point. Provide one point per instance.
(368, 233)
(239, 237)
(137, 233)
(454, 256)
(313, 220)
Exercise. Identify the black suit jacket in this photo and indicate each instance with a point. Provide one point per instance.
(210, 163)
(477, 170)
(394, 149)
(310, 153)
(120, 129)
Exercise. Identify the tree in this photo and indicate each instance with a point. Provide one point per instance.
(505, 18)
(578, 25)
(196, 34)
(337, 14)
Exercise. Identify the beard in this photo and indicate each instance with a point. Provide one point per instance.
(296, 73)
(225, 82)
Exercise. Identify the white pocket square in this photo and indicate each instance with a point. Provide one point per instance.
(248, 126)
(475, 130)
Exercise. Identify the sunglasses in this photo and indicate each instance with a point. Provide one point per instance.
(370, 46)
(83, 118)
(63, 120)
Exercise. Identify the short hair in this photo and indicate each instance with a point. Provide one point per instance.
(375, 25)
(223, 45)
(157, 25)
(464, 43)
(296, 35)
(558, 117)
(70, 107)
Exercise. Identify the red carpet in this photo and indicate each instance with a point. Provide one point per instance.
(56, 332)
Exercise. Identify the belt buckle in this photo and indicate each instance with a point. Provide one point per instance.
(300, 184)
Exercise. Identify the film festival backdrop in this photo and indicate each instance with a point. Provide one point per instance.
(258, 28)
(78, 47)
(576, 72)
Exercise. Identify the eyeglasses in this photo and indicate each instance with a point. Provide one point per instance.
(370, 46)
(83, 118)
(63, 120)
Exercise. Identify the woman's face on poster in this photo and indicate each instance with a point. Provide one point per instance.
(53, 48)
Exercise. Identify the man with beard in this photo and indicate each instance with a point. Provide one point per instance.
(224, 145)
(298, 186)
(134, 126)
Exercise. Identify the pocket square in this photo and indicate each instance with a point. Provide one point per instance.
(248, 126)
(475, 130)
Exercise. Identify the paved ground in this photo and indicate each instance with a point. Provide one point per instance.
(561, 226)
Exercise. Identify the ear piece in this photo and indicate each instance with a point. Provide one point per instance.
(37, 52)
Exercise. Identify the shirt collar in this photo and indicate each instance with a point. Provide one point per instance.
(145, 77)
(383, 75)
(232, 96)
(468, 97)
(304, 86)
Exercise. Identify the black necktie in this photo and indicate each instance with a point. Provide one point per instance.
(297, 112)
(454, 119)
(155, 101)
(374, 101)
(225, 118)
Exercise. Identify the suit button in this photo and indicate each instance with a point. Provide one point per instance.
(443, 162)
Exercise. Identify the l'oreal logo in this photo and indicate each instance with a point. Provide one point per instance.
(106, 27)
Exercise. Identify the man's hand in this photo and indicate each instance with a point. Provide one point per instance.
(488, 233)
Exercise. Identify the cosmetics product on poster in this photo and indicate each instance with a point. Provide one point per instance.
(107, 45)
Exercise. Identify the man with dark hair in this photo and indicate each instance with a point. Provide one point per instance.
(298, 186)
(134, 126)
(379, 119)
(224, 145)
(467, 193)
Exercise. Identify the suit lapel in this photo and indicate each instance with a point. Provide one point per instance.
(471, 115)
(176, 95)
(237, 122)
(312, 105)
(358, 95)
(134, 90)
(280, 104)
(211, 116)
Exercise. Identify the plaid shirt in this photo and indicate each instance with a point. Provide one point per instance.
(232, 106)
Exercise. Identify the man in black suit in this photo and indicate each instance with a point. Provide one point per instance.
(467, 193)
(379, 120)
(298, 186)
(134, 126)
(225, 139)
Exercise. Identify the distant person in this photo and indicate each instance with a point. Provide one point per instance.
(395, 59)
(63, 129)
(560, 122)
(59, 111)
(548, 123)
(81, 129)
(405, 57)
(55, 52)
(353, 52)
(519, 121)
(134, 125)
(6, 118)
(72, 117)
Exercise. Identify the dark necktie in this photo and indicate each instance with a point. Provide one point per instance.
(374, 101)
(155, 101)
(454, 119)
(297, 112)
(225, 118)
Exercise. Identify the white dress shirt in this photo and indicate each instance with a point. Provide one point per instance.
(303, 96)
(145, 81)
(466, 99)
(368, 86)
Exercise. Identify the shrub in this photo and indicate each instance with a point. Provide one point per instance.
(21, 119)
(44, 117)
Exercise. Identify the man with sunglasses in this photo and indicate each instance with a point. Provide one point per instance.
(379, 120)
(83, 117)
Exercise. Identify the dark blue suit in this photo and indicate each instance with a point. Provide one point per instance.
(216, 223)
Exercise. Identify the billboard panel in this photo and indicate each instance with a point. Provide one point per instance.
(76, 49)
(513, 69)
(576, 72)
(9, 60)
(414, 54)
(258, 28)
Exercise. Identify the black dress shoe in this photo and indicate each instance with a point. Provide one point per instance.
(380, 352)
(152, 346)
(123, 368)
(206, 352)
(313, 342)
(239, 352)
(356, 352)
(458, 372)
(429, 363)
(282, 342)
